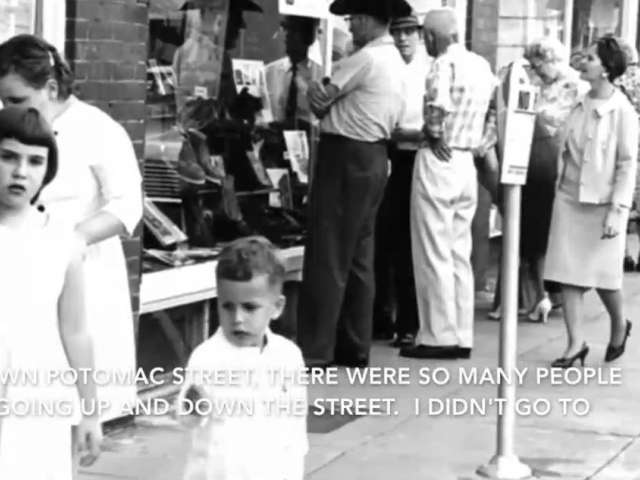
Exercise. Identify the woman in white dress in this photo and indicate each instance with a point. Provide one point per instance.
(97, 192)
(43, 322)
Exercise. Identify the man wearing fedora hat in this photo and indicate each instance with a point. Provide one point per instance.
(359, 108)
(444, 192)
(394, 265)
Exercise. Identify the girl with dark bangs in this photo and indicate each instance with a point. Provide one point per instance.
(43, 324)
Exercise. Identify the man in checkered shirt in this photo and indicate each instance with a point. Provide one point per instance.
(458, 127)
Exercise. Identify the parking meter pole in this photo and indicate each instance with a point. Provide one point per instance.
(509, 323)
(505, 465)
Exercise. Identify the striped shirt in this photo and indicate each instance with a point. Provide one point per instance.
(461, 84)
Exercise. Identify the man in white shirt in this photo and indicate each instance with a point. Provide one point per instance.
(288, 78)
(360, 107)
(393, 232)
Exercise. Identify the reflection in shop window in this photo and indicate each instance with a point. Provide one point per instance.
(17, 16)
(521, 22)
(593, 19)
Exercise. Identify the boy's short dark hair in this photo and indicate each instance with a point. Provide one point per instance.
(247, 257)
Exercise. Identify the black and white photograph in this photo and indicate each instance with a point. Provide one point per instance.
(319, 239)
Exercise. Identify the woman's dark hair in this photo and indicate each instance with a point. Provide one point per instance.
(612, 56)
(36, 61)
(27, 126)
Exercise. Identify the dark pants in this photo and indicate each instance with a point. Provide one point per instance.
(384, 304)
(394, 264)
(336, 301)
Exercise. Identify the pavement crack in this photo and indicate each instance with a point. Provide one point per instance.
(612, 459)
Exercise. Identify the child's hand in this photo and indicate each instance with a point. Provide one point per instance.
(89, 440)
(187, 413)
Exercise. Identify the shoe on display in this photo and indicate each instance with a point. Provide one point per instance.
(203, 157)
(188, 168)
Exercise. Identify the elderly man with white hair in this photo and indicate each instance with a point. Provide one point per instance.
(444, 193)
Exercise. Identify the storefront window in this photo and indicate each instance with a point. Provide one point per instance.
(523, 21)
(216, 161)
(594, 18)
(18, 16)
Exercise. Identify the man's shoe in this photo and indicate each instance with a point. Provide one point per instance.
(406, 340)
(383, 335)
(430, 351)
(352, 362)
(629, 264)
(464, 352)
(315, 364)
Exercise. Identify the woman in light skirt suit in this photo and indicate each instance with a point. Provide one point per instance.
(597, 168)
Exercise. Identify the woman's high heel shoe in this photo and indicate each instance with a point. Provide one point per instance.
(567, 362)
(616, 352)
(541, 312)
(495, 314)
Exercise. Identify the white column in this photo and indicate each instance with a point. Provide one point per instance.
(54, 23)
(629, 21)
(568, 25)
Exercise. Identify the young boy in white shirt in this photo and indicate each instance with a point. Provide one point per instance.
(242, 392)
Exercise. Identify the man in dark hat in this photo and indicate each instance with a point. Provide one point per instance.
(360, 107)
(288, 78)
(444, 191)
(394, 268)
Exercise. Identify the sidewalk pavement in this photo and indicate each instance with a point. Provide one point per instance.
(604, 444)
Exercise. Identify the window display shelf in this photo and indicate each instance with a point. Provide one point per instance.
(179, 286)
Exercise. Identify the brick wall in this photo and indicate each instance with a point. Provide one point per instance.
(107, 48)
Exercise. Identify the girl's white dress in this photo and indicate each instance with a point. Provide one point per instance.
(38, 410)
(98, 171)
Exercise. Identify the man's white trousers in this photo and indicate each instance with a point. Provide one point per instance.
(444, 197)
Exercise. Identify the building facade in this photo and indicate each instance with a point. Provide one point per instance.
(108, 45)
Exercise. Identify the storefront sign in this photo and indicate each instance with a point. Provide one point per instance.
(305, 8)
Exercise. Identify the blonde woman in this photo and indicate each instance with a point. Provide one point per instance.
(560, 87)
(598, 163)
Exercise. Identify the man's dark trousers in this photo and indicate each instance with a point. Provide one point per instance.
(399, 190)
(395, 285)
(336, 302)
